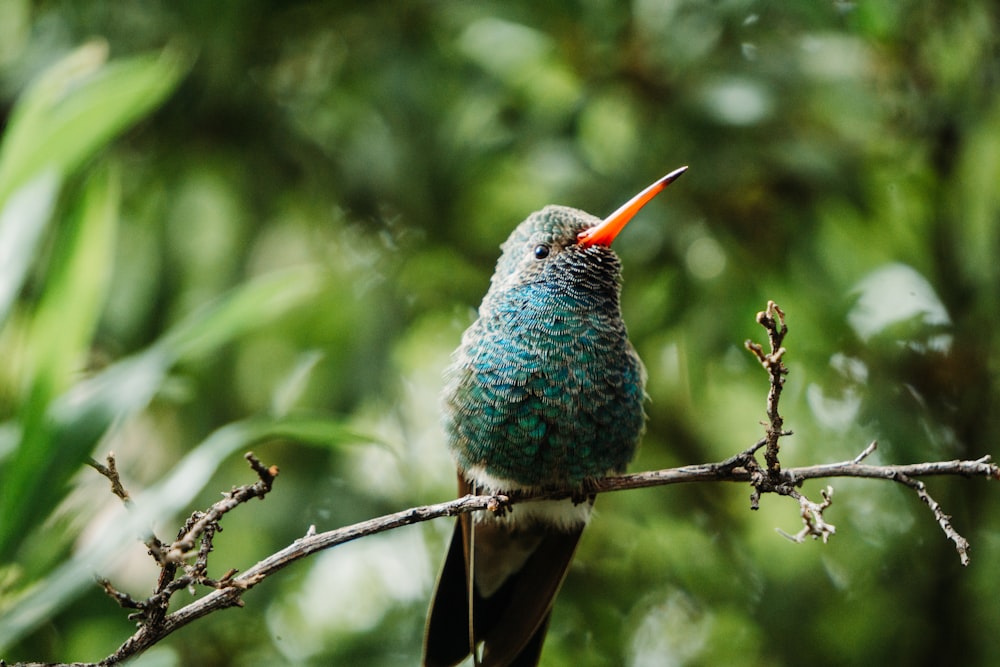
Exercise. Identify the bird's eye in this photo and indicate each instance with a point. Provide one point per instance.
(541, 251)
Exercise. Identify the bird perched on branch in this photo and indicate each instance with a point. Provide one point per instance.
(544, 392)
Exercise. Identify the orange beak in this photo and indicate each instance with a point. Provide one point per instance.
(605, 232)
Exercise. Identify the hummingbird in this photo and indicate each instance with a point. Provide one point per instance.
(545, 392)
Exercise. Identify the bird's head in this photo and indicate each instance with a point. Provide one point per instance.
(568, 248)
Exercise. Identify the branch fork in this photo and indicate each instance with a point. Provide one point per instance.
(772, 480)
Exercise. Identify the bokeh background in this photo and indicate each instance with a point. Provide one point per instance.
(263, 225)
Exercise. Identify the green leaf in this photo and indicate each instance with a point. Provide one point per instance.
(77, 285)
(77, 106)
(264, 299)
(76, 420)
(152, 507)
(290, 389)
(56, 347)
(320, 431)
(66, 115)
(23, 218)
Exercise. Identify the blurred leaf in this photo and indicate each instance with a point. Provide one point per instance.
(322, 432)
(76, 287)
(895, 299)
(58, 341)
(23, 218)
(152, 507)
(90, 407)
(175, 490)
(77, 106)
(290, 390)
(71, 427)
(264, 299)
(71, 111)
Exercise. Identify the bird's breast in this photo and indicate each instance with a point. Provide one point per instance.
(545, 395)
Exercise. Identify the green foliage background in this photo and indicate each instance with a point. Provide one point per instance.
(264, 225)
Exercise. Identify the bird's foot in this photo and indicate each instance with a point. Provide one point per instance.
(586, 492)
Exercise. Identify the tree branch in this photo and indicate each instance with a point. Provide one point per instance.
(200, 528)
(772, 319)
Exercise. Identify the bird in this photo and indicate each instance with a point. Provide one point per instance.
(544, 393)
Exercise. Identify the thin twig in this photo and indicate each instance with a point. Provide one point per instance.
(961, 544)
(110, 471)
(200, 528)
(814, 525)
(239, 495)
(772, 318)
